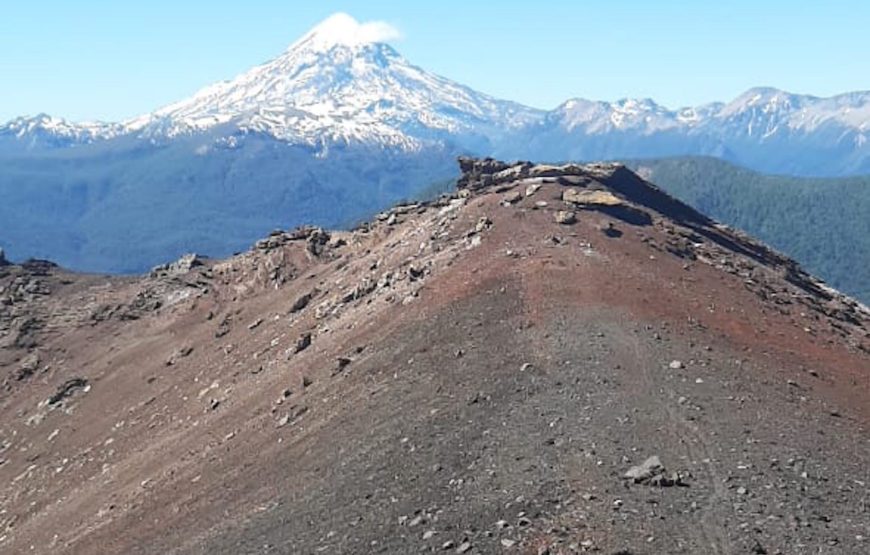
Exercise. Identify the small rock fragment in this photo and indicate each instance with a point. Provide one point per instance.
(301, 302)
(302, 343)
(342, 363)
(179, 354)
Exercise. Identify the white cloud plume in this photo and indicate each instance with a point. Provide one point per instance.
(340, 28)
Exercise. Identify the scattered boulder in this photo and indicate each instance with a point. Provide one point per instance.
(223, 327)
(316, 241)
(363, 288)
(511, 197)
(67, 389)
(301, 302)
(178, 268)
(477, 173)
(269, 243)
(483, 224)
(336, 243)
(341, 364)
(302, 343)
(292, 416)
(675, 365)
(179, 354)
(415, 273)
(549, 170)
(300, 233)
(646, 470)
(585, 197)
(513, 173)
(29, 365)
(566, 217)
(39, 267)
(652, 472)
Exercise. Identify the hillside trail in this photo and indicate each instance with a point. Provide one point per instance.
(696, 444)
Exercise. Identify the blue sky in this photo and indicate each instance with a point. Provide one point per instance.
(92, 59)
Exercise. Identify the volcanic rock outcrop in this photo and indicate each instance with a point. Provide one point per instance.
(553, 359)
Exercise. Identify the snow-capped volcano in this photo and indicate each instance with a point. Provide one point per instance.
(338, 84)
(342, 84)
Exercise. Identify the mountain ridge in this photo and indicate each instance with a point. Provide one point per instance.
(850, 110)
(549, 358)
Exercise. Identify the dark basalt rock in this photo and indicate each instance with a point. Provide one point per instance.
(37, 267)
(67, 389)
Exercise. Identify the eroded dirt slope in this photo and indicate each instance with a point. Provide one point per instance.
(472, 375)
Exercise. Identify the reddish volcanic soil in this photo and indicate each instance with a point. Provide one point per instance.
(466, 375)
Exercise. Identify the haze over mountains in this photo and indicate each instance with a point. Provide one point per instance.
(336, 128)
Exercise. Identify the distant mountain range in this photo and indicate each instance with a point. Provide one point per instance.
(335, 128)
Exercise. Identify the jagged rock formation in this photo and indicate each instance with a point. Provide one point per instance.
(473, 374)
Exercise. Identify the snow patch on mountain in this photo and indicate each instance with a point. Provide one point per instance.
(760, 113)
(46, 127)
